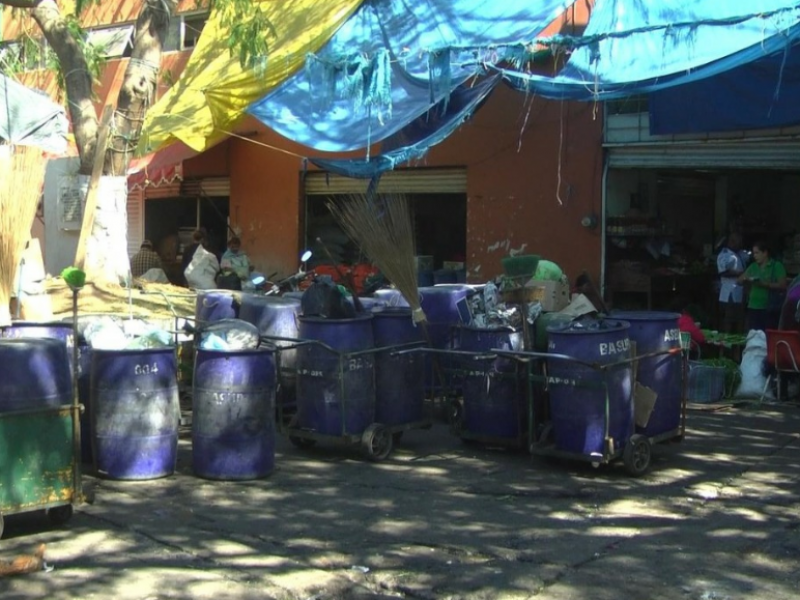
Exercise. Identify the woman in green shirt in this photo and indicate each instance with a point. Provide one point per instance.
(766, 281)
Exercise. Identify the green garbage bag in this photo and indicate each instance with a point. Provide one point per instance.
(547, 270)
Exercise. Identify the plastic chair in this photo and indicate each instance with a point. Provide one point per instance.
(783, 354)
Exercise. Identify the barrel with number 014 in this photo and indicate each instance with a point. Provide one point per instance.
(135, 412)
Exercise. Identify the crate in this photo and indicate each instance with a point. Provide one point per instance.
(706, 383)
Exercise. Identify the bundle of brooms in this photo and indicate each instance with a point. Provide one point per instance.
(381, 225)
(21, 178)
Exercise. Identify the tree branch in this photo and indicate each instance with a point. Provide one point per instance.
(19, 3)
(138, 91)
(77, 79)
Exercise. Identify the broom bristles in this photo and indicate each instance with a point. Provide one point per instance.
(21, 178)
(382, 227)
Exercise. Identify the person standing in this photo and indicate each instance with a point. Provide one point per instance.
(766, 279)
(198, 237)
(731, 263)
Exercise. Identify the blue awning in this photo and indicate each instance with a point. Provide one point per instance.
(759, 95)
(392, 62)
(414, 140)
(635, 47)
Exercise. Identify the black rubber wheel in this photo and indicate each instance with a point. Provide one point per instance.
(636, 455)
(302, 442)
(60, 514)
(377, 442)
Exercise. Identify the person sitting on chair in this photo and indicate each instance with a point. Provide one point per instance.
(145, 259)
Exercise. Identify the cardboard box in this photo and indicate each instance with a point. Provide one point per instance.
(424, 262)
(453, 265)
(552, 295)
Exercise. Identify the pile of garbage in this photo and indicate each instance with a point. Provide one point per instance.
(488, 311)
(105, 332)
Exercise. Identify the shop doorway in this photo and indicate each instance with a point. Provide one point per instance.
(665, 226)
(169, 223)
(440, 224)
(438, 201)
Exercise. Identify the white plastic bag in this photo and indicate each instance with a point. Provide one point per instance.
(105, 334)
(202, 270)
(752, 367)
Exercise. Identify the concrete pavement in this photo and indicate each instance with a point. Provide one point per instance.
(716, 517)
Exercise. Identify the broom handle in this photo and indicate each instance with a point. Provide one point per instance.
(342, 277)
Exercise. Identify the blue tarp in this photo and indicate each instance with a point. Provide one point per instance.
(392, 62)
(762, 94)
(413, 141)
(30, 118)
(638, 46)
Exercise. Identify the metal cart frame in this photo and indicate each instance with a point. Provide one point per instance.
(376, 441)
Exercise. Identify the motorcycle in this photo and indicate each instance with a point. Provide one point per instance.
(265, 287)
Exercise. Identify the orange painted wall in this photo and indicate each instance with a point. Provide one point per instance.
(515, 201)
(265, 204)
(512, 171)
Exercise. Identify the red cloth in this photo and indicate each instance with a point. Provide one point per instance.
(687, 324)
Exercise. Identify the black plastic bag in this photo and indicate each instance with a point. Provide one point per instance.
(324, 299)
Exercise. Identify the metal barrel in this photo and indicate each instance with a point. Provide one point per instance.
(578, 391)
(654, 332)
(135, 412)
(35, 374)
(277, 316)
(399, 379)
(390, 297)
(368, 303)
(440, 305)
(543, 321)
(494, 397)
(215, 305)
(336, 397)
(59, 330)
(233, 403)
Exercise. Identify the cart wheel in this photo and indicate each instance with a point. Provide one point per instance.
(397, 436)
(301, 442)
(60, 514)
(376, 442)
(637, 455)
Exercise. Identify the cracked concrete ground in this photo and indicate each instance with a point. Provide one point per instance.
(716, 518)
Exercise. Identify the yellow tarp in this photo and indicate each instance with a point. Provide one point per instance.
(214, 91)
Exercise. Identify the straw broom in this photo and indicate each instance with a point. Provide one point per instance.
(382, 227)
(21, 178)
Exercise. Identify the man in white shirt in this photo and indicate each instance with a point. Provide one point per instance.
(731, 262)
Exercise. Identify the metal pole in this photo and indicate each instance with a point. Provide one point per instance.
(76, 406)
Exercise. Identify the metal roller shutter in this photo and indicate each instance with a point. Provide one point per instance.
(166, 190)
(135, 221)
(711, 155)
(207, 186)
(403, 181)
